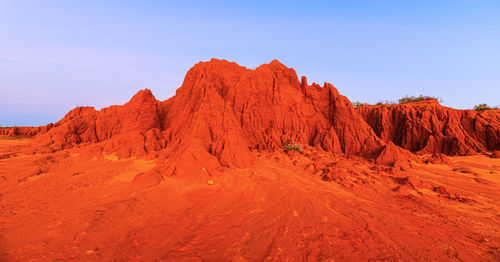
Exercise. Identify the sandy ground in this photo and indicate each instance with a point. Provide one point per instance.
(70, 205)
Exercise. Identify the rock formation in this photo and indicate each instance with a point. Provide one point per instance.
(227, 110)
(224, 111)
(428, 127)
(23, 130)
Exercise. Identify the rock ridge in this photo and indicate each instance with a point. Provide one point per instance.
(223, 112)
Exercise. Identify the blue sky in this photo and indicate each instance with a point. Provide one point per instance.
(56, 55)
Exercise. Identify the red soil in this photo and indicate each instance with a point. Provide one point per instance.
(203, 176)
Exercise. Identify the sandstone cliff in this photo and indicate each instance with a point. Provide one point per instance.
(428, 127)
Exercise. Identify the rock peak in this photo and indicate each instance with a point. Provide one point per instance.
(275, 64)
(144, 95)
(216, 63)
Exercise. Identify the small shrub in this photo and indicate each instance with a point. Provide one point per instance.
(289, 146)
(419, 98)
(358, 104)
(385, 102)
(483, 107)
(403, 100)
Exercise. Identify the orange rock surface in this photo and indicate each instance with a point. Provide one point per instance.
(429, 127)
(204, 176)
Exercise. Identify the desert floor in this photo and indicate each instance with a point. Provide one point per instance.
(72, 205)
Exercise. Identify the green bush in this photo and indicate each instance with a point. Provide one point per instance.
(419, 98)
(403, 100)
(483, 107)
(291, 146)
(358, 104)
(385, 102)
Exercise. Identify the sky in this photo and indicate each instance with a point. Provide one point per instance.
(56, 55)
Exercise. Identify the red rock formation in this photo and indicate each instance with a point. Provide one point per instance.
(129, 130)
(229, 110)
(223, 111)
(428, 127)
(393, 155)
(24, 130)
